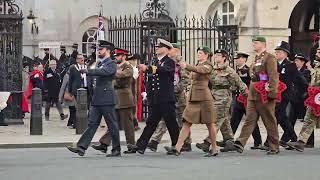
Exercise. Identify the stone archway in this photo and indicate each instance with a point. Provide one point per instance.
(304, 25)
(89, 24)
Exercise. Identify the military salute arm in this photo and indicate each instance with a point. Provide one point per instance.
(108, 70)
(205, 69)
(125, 73)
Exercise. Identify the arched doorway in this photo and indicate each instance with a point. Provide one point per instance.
(304, 25)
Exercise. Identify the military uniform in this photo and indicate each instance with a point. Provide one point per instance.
(310, 120)
(238, 109)
(264, 67)
(125, 104)
(222, 79)
(181, 82)
(200, 108)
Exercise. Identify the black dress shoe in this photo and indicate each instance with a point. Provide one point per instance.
(283, 144)
(211, 153)
(130, 150)
(135, 148)
(114, 153)
(77, 150)
(101, 147)
(172, 151)
(256, 146)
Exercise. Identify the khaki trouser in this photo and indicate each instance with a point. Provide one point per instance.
(223, 119)
(126, 120)
(309, 124)
(162, 129)
(267, 113)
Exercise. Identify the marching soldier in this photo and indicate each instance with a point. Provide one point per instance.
(223, 77)
(238, 109)
(125, 102)
(103, 102)
(181, 81)
(264, 68)
(310, 120)
(160, 96)
(200, 108)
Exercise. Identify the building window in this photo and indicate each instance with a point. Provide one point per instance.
(88, 39)
(225, 12)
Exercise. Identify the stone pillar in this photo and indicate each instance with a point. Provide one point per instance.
(36, 112)
(82, 111)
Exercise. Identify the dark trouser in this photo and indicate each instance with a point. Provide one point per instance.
(165, 111)
(238, 111)
(49, 103)
(72, 117)
(96, 113)
(283, 120)
(297, 110)
(126, 121)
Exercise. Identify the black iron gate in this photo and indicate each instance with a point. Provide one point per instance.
(11, 58)
(138, 33)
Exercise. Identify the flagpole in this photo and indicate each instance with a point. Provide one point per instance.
(98, 32)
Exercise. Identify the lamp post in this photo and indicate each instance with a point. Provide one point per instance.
(34, 28)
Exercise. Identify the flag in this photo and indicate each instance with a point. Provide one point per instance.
(101, 28)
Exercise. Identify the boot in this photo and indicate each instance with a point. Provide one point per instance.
(299, 145)
(221, 143)
(130, 150)
(114, 153)
(228, 146)
(238, 147)
(101, 147)
(153, 145)
(204, 146)
(186, 147)
(283, 144)
(77, 150)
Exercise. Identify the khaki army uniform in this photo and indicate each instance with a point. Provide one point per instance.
(125, 104)
(310, 120)
(266, 64)
(200, 108)
(180, 87)
(223, 78)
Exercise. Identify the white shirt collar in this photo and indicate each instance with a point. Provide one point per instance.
(160, 57)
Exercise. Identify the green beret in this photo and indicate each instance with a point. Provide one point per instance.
(259, 38)
(205, 49)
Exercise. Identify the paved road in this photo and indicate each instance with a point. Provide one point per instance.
(59, 164)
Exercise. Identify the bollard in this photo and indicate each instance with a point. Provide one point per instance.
(82, 114)
(36, 112)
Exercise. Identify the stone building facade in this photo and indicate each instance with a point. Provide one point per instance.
(69, 21)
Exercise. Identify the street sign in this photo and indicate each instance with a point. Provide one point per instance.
(50, 45)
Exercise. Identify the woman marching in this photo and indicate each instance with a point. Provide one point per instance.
(200, 108)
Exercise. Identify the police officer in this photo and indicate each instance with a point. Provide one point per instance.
(223, 77)
(103, 102)
(238, 109)
(264, 69)
(160, 96)
(287, 71)
(125, 102)
(181, 81)
(310, 120)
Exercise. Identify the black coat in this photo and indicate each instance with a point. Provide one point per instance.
(103, 92)
(287, 71)
(75, 81)
(244, 73)
(52, 83)
(160, 87)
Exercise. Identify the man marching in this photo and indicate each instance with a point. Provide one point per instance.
(263, 69)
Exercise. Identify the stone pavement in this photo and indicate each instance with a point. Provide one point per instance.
(56, 134)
